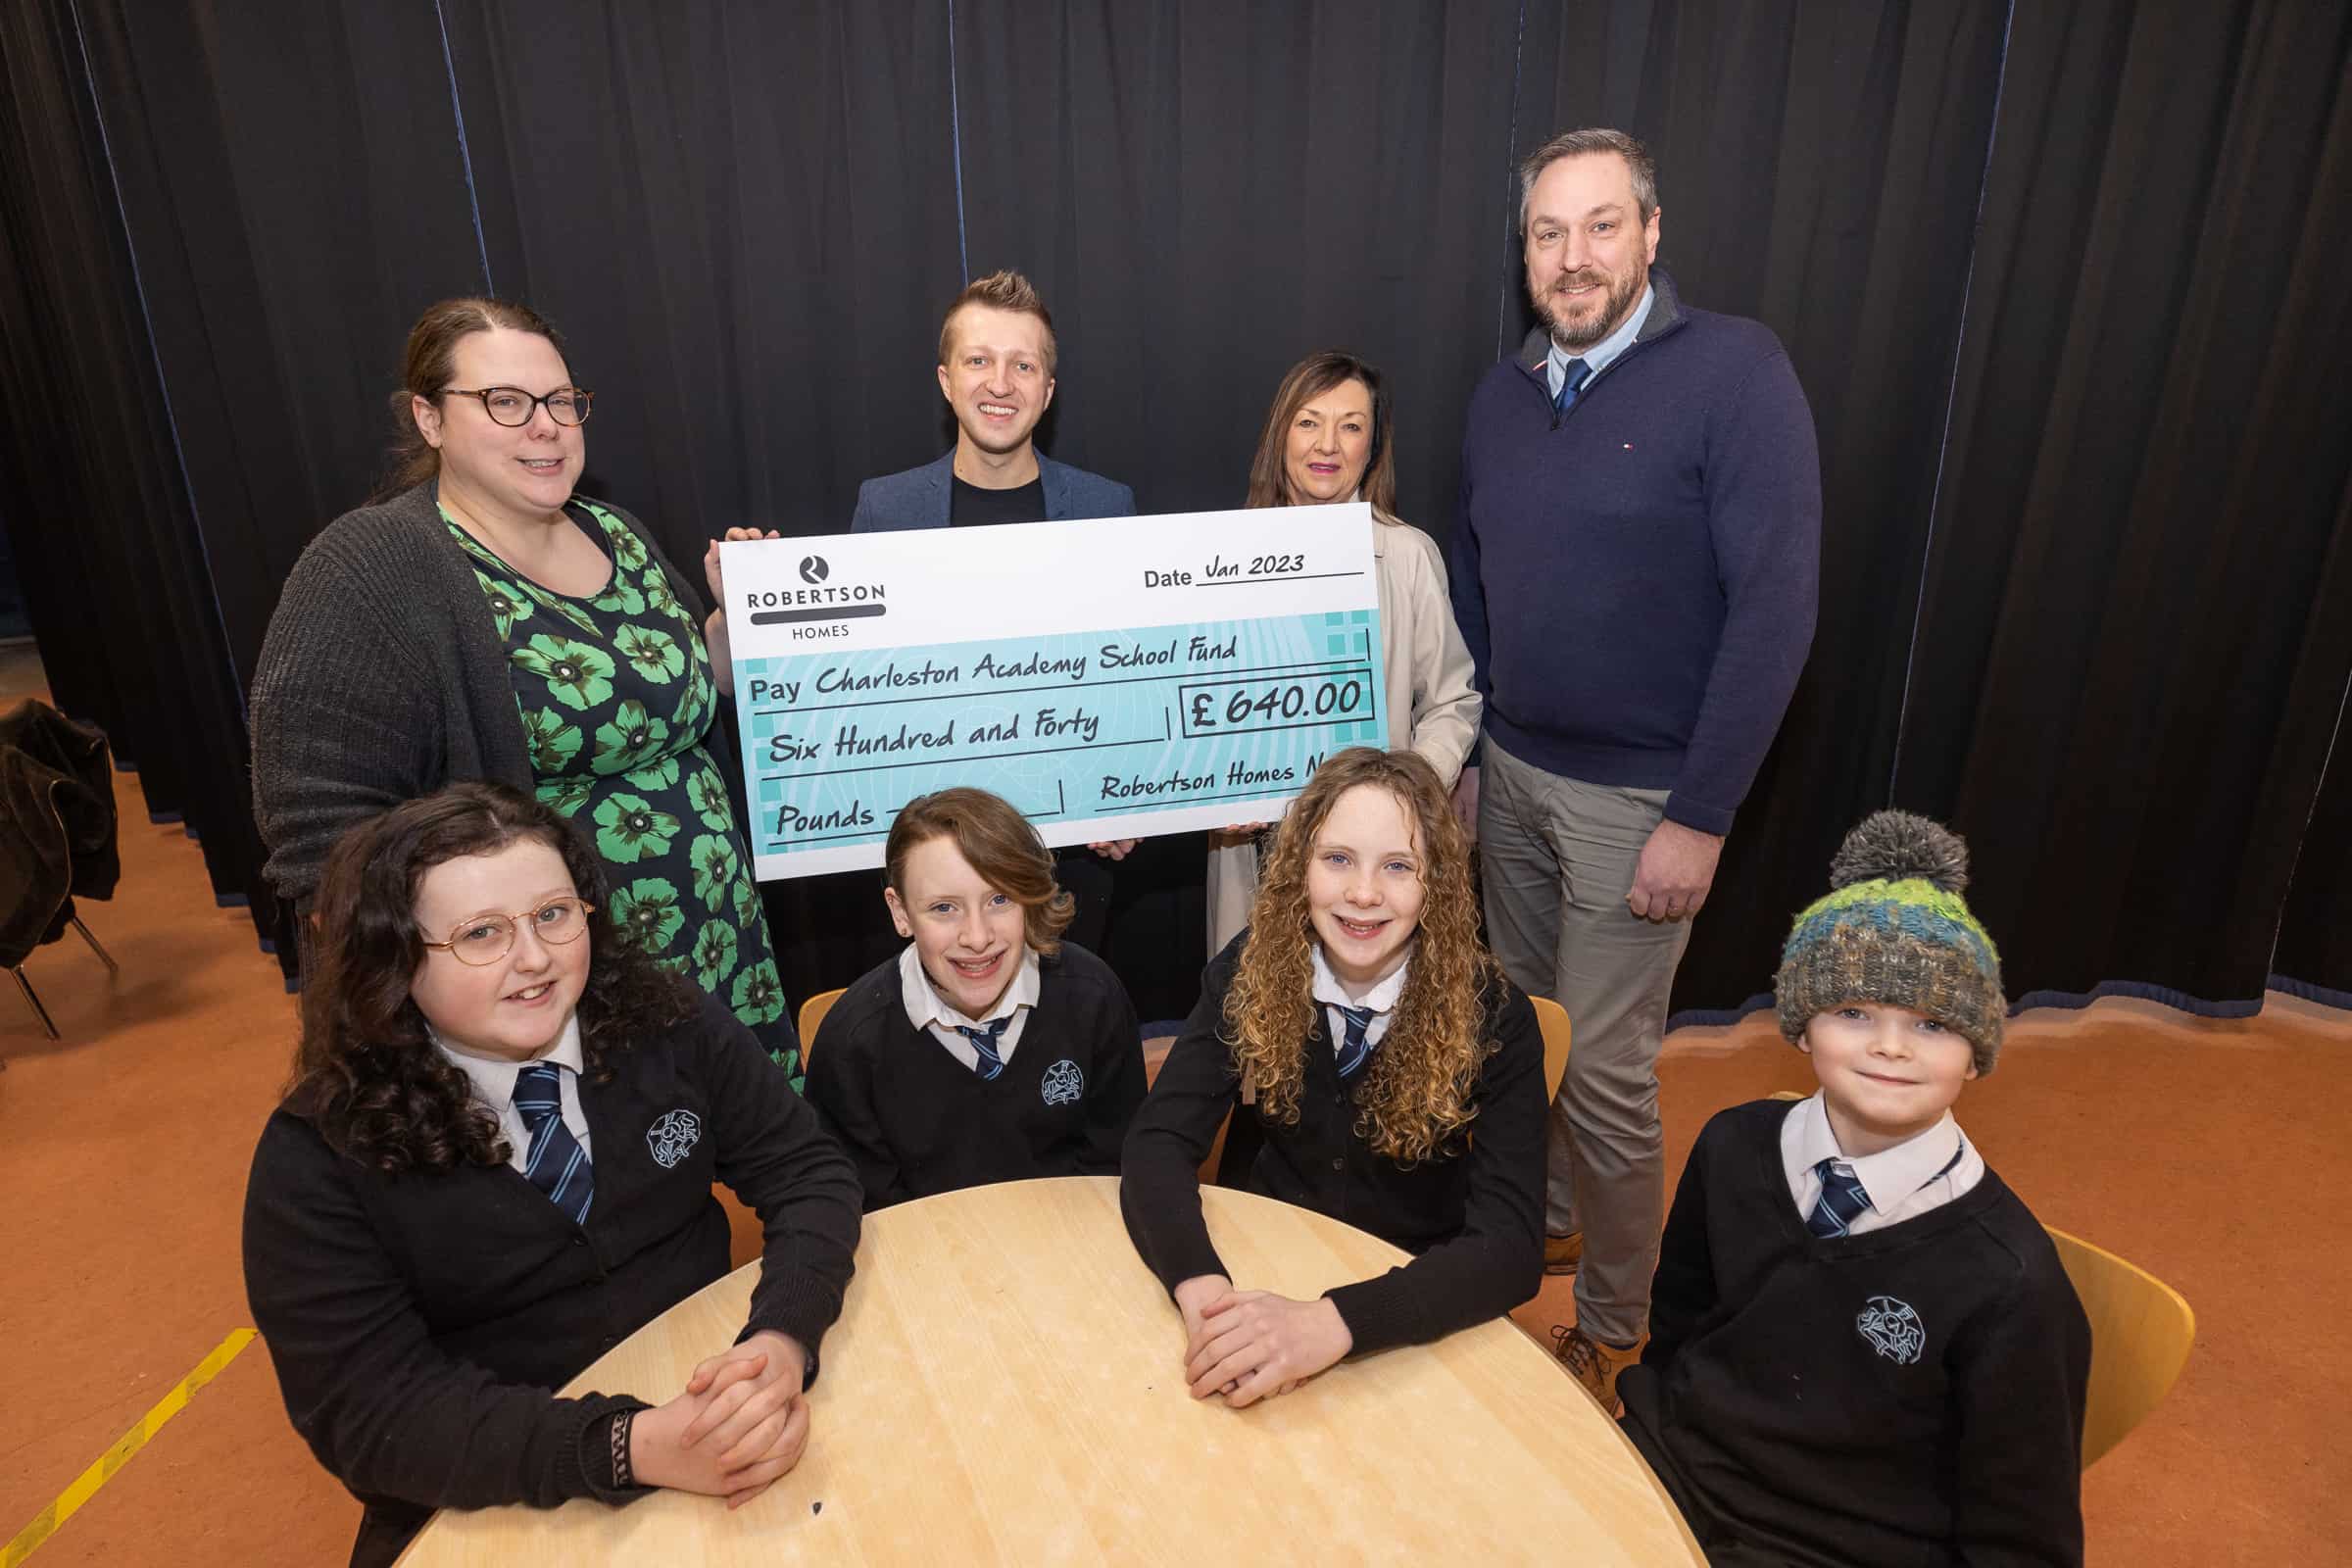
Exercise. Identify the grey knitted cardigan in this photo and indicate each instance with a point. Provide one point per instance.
(381, 680)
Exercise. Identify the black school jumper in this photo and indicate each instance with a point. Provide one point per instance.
(916, 1122)
(1912, 1395)
(1474, 1217)
(417, 1322)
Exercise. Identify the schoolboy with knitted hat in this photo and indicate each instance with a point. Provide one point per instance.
(1895, 929)
(1862, 1347)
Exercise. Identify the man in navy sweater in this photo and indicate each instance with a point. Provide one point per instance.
(1636, 564)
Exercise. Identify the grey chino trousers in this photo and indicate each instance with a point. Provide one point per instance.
(1557, 856)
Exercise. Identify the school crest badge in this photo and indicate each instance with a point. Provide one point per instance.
(1063, 1083)
(1893, 1329)
(672, 1137)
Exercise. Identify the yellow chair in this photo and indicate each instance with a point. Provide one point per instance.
(2141, 1332)
(812, 1013)
(1553, 1019)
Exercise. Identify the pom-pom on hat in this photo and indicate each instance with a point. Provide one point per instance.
(1895, 929)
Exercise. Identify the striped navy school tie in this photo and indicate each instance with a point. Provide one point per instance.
(984, 1046)
(1355, 1050)
(1841, 1199)
(556, 1164)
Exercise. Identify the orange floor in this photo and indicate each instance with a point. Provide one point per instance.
(2211, 1152)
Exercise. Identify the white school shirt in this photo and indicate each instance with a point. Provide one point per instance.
(1381, 999)
(494, 1078)
(926, 1008)
(1902, 1183)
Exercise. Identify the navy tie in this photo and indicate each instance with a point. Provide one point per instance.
(1355, 1050)
(557, 1166)
(1841, 1199)
(1571, 383)
(984, 1044)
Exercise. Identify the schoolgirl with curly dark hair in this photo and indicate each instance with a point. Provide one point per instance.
(495, 1158)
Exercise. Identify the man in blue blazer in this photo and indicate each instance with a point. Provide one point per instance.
(996, 369)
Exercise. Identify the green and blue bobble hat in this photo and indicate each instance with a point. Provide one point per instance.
(1895, 929)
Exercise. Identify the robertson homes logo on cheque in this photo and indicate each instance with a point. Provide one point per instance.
(818, 610)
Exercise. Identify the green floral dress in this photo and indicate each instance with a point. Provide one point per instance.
(616, 695)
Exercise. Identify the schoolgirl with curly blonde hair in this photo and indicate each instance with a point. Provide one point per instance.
(1377, 1068)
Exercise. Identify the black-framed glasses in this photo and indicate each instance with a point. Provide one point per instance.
(511, 405)
(488, 938)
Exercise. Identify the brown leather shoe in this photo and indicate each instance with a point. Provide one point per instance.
(1591, 1363)
(1562, 1254)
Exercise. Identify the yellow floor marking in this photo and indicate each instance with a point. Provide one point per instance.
(85, 1485)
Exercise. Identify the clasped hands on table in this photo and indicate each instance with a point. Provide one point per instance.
(1008, 1384)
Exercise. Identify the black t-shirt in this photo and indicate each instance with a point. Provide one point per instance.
(972, 507)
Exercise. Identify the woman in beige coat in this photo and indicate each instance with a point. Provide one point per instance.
(1328, 437)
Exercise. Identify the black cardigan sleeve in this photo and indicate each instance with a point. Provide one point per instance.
(346, 723)
(2018, 1396)
(385, 1412)
(1116, 1088)
(776, 1158)
(841, 1086)
(1159, 1169)
(1496, 1259)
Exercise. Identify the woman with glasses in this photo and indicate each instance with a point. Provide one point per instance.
(480, 619)
(494, 1161)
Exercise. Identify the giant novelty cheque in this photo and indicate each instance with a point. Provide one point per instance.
(1112, 679)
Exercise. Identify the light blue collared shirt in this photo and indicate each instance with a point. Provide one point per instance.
(1596, 358)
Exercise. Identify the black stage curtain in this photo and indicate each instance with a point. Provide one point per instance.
(743, 218)
(2129, 665)
(1206, 194)
(116, 568)
(2059, 281)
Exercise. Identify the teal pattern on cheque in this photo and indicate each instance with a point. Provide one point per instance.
(615, 695)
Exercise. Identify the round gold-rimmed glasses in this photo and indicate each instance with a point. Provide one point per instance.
(513, 407)
(487, 938)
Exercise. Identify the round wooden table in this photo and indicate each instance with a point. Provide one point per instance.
(1005, 1386)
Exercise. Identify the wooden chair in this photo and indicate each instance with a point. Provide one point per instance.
(2140, 1333)
(1155, 1055)
(812, 1013)
(1553, 1019)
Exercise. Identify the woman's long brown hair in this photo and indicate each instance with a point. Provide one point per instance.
(1415, 1097)
(1312, 377)
(367, 1073)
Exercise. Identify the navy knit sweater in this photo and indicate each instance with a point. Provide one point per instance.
(1912, 1395)
(1636, 581)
